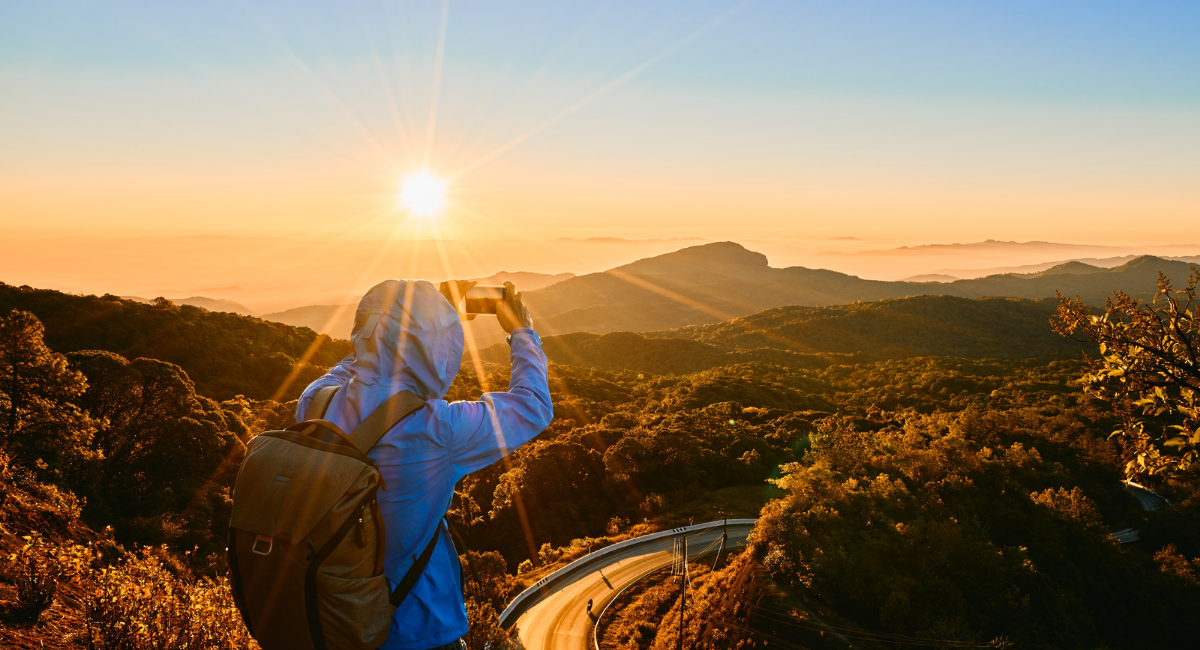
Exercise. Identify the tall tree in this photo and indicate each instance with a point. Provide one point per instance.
(39, 421)
(165, 449)
(1149, 367)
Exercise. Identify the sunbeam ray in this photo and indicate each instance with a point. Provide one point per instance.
(175, 47)
(438, 64)
(602, 91)
(397, 118)
(643, 283)
(308, 73)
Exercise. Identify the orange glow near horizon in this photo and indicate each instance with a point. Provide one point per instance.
(457, 147)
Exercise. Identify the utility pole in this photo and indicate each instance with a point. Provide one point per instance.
(724, 536)
(724, 514)
(683, 593)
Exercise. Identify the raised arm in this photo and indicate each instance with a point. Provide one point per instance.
(482, 432)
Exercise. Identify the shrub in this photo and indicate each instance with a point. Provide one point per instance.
(1070, 504)
(653, 504)
(6, 478)
(36, 572)
(64, 505)
(485, 631)
(141, 604)
(1172, 562)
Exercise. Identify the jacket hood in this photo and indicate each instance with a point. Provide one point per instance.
(406, 337)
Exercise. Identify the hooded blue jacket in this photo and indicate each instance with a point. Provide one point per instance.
(408, 337)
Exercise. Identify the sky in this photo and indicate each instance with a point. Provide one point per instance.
(771, 120)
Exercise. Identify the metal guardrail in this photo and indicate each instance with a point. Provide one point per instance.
(1148, 499)
(534, 592)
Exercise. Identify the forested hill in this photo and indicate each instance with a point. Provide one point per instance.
(1001, 328)
(224, 354)
(816, 337)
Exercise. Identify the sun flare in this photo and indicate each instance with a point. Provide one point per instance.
(422, 193)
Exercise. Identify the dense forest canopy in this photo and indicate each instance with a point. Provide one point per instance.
(817, 337)
(959, 498)
(225, 354)
(903, 327)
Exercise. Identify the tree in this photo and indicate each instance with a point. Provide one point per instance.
(165, 449)
(561, 484)
(36, 385)
(1148, 368)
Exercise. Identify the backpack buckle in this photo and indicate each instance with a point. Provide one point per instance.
(258, 545)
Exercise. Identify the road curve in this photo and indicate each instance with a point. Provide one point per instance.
(557, 618)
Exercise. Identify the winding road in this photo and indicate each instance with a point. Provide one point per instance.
(552, 615)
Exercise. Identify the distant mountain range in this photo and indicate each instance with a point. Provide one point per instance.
(719, 281)
(1029, 269)
(978, 259)
(227, 354)
(211, 304)
(338, 320)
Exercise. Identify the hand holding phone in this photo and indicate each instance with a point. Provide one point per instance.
(511, 311)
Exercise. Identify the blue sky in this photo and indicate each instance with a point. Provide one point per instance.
(864, 114)
(1125, 52)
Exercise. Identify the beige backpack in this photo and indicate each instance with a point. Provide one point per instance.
(306, 541)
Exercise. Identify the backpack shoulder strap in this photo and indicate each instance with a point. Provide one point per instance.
(382, 419)
(409, 580)
(320, 402)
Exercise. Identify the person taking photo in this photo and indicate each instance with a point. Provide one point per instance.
(408, 336)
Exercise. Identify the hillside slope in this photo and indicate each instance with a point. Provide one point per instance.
(815, 337)
(720, 281)
(906, 327)
(338, 320)
(224, 354)
(211, 304)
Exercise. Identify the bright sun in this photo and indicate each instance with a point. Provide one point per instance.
(422, 193)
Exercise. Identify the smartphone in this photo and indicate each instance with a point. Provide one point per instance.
(483, 299)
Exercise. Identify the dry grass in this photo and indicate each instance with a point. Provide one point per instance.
(70, 587)
(141, 604)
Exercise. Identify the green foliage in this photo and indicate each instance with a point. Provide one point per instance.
(39, 425)
(144, 603)
(950, 498)
(133, 438)
(1007, 328)
(224, 354)
(167, 455)
(560, 486)
(1172, 562)
(1149, 365)
(36, 571)
(655, 352)
(821, 337)
(956, 527)
(1072, 505)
